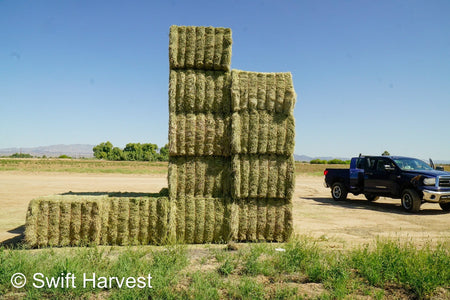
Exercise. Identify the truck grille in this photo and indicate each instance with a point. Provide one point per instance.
(444, 181)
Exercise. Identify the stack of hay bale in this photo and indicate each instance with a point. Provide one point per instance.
(231, 165)
(199, 133)
(262, 146)
(231, 142)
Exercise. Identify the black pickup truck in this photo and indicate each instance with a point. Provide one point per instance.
(409, 179)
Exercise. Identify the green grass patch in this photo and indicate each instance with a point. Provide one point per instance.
(255, 271)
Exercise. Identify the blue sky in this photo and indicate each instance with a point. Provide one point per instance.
(370, 75)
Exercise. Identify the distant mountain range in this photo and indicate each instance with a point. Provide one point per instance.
(85, 150)
(76, 150)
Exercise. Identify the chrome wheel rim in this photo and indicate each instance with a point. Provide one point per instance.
(337, 192)
(407, 201)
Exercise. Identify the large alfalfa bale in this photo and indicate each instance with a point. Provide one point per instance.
(272, 92)
(209, 226)
(213, 172)
(180, 218)
(261, 216)
(262, 176)
(32, 223)
(199, 47)
(199, 91)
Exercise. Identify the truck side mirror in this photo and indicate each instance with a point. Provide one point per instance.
(389, 168)
(440, 168)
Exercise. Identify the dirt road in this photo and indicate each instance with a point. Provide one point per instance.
(339, 224)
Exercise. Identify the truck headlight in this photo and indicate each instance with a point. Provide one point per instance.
(429, 181)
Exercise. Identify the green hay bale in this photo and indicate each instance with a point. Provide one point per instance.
(53, 222)
(95, 228)
(75, 223)
(210, 133)
(31, 223)
(180, 91)
(189, 220)
(209, 91)
(227, 232)
(262, 176)
(181, 135)
(279, 221)
(143, 221)
(199, 221)
(290, 136)
(133, 226)
(218, 93)
(200, 90)
(123, 222)
(208, 234)
(64, 223)
(113, 221)
(190, 47)
(272, 92)
(272, 136)
(200, 36)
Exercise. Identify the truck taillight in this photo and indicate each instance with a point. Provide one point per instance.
(325, 172)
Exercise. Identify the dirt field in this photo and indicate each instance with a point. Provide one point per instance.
(338, 224)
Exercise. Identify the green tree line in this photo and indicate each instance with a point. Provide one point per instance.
(331, 162)
(132, 151)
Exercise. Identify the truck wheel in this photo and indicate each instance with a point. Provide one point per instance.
(411, 201)
(371, 197)
(338, 191)
(445, 206)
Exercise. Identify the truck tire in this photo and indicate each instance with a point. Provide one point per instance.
(411, 201)
(445, 206)
(338, 191)
(371, 197)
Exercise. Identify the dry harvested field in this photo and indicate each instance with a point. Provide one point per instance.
(336, 224)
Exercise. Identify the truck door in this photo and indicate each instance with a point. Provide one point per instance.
(381, 177)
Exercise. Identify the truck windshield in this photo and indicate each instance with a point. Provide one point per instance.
(411, 164)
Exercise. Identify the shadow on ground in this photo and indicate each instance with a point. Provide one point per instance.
(16, 240)
(393, 208)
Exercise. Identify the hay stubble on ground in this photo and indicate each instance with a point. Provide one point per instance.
(348, 223)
